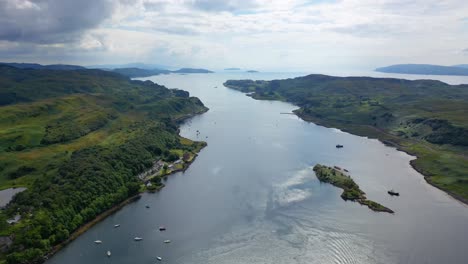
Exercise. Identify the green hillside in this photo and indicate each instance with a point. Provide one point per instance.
(425, 118)
(77, 140)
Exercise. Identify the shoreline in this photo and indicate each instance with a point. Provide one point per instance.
(115, 208)
(388, 143)
(82, 229)
(369, 132)
(102, 216)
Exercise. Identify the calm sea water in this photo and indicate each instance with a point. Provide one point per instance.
(252, 197)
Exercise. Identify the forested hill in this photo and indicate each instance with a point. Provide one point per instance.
(77, 140)
(424, 117)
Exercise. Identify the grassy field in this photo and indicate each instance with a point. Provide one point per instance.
(424, 118)
(76, 140)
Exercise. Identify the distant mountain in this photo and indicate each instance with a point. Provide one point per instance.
(232, 69)
(62, 67)
(137, 72)
(130, 65)
(461, 65)
(425, 69)
(192, 70)
(251, 71)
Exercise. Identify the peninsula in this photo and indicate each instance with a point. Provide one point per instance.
(424, 118)
(351, 190)
(78, 140)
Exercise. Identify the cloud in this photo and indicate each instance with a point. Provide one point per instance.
(248, 33)
(227, 5)
(50, 21)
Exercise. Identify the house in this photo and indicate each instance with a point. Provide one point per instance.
(14, 220)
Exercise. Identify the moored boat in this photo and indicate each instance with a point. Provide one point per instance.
(108, 253)
(116, 225)
(98, 242)
(159, 258)
(393, 193)
(162, 228)
(167, 241)
(339, 146)
(138, 239)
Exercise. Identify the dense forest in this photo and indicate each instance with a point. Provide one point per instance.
(76, 140)
(425, 118)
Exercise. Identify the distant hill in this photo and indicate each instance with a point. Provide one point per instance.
(461, 65)
(137, 72)
(232, 69)
(425, 69)
(36, 66)
(129, 65)
(251, 71)
(192, 70)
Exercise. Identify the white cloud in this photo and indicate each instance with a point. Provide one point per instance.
(267, 34)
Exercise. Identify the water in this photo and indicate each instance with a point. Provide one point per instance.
(7, 194)
(251, 196)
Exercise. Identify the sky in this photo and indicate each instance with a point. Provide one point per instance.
(265, 35)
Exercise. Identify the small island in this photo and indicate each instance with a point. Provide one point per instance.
(351, 190)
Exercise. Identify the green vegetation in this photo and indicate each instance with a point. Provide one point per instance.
(424, 118)
(351, 190)
(77, 140)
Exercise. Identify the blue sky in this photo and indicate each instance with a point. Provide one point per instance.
(322, 35)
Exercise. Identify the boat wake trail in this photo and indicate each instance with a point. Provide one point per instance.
(290, 232)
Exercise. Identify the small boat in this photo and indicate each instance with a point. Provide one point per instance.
(346, 170)
(167, 241)
(98, 242)
(108, 253)
(162, 228)
(159, 258)
(393, 193)
(138, 239)
(147, 206)
(339, 146)
(116, 225)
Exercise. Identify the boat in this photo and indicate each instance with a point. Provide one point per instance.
(162, 228)
(167, 241)
(138, 239)
(116, 225)
(147, 206)
(98, 242)
(393, 193)
(108, 253)
(159, 258)
(339, 146)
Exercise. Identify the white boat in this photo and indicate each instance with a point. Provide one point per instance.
(159, 258)
(98, 242)
(162, 228)
(108, 253)
(167, 241)
(117, 225)
(138, 239)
